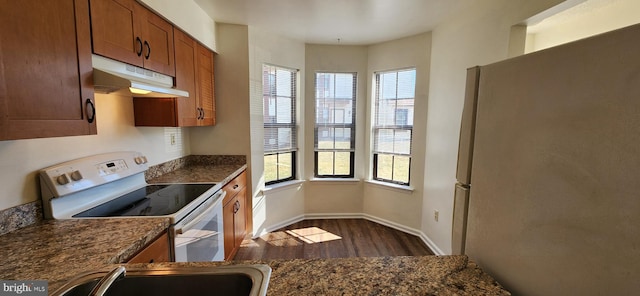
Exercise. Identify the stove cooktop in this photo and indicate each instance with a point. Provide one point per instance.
(152, 200)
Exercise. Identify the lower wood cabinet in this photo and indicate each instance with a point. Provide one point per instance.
(156, 251)
(234, 215)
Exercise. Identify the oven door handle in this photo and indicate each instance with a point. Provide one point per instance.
(197, 219)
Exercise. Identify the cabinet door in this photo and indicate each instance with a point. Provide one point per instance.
(45, 69)
(240, 229)
(115, 32)
(186, 53)
(205, 85)
(156, 251)
(157, 39)
(228, 213)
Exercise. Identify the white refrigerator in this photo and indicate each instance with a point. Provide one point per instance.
(548, 198)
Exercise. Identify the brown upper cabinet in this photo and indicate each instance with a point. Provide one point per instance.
(45, 69)
(194, 73)
(126, 31)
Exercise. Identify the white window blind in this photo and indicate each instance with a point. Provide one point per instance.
(279, 109)
(335, 124)
(393, 125)
(280, 131)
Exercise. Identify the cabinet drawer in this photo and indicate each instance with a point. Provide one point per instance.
(233, 187)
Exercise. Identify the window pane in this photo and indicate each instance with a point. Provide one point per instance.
(342, 163)
(325, 138)
(285, 168)
(283, 110)
(385, 112)
(385, 166)
(344, 86)
(283, 83)
(402, 140)
(401, 169)
(343, 138)
(406, 84)
(383, 140)
(325, 163)
(388, 83)
(270, 168)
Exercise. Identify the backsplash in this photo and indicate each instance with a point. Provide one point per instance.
(20, 216)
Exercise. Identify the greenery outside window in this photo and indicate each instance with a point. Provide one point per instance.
(393, 125)
(280, 130)
(334, 132)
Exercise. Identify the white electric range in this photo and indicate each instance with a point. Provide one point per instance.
(112, 185)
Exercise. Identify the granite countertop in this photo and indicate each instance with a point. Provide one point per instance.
(404, 275)
(56, 250)
(198, 169)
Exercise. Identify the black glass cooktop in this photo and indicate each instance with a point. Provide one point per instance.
(153, 200)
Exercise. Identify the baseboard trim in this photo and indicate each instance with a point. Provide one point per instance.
(372, 218)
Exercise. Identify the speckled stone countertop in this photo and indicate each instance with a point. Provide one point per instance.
(57, 250)
(397, 276)
(198, 169)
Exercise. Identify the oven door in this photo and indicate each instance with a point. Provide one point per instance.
(198, 237)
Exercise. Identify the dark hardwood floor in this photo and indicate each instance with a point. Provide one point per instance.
(332, 238)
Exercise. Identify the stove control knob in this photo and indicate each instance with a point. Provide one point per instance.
(62, 179)
(144, 159)
(138, 160)
(76, 176)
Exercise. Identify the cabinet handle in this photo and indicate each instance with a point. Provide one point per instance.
(139, 52)
(235, 186)
(90, 111)
(148, 50)
(202, 111)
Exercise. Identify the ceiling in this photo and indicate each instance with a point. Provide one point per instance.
(346, 22)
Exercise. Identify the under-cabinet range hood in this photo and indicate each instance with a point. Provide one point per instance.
(111, 76)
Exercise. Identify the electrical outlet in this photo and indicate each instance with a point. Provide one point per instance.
(173, 139)
(436, 215)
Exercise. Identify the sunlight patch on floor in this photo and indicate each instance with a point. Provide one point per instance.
(312, 235)
(295, 237)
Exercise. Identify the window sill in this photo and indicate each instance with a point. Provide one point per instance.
(281, 186)
(338, 180)
(403, 188)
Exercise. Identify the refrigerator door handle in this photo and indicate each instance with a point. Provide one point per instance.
(460, 212)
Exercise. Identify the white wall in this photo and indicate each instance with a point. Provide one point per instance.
(583, 20)
(400, 206)
(188, 16)
(20, 160)
(478, 36)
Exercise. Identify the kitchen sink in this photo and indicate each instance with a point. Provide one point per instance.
(231, 280)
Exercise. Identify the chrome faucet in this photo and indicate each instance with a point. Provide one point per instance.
(105, 283)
